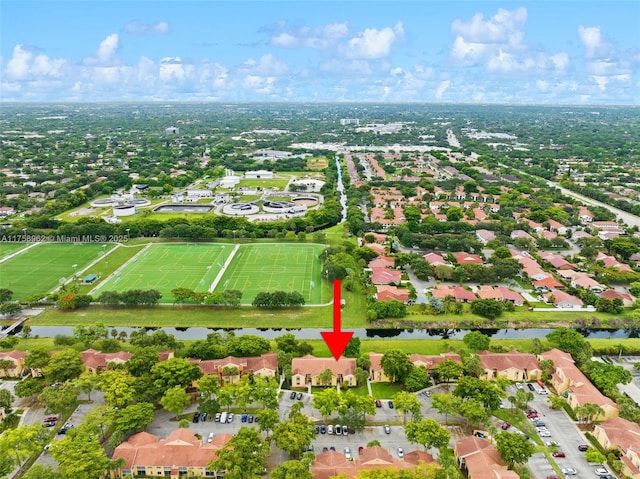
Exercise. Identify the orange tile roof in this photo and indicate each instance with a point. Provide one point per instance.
(311, 365)
(504, 361)
(180, 448)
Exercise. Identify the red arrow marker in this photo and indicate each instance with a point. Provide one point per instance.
(336, 340)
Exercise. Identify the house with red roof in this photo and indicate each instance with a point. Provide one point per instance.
(387, 293)
(435, 259)
(385, 276)
(381, 262)
(548, 284)
(563, 300)
(580, 391)
(95, 361)
(441, 291)
(623, 435)
(501, 293)
(588, 283)
(467, 258)
(480, 458)
(231, 369)
(181, 454)
(330, 464)
(307, 369)
(17, 369)
(514, 366)
(627, 299)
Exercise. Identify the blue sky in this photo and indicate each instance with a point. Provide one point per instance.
(581, 52)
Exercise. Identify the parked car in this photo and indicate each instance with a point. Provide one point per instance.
(196, 416)
(251, 418)
(400, 452)
(65, 428)
(243, 418)
(333, 448)
(390, 404)
(544, 433)
(347, 453)
(345, 430)
(325, 449)
(543, 391)
(203, 417)
(568, 471)
(387, 429)
(558, 454)
(378, 403)
(210, 438)
(505, 426)
(360, 450)
(518, 386)
(553, 476)
(323, 429)
(299, 396)
(292, 395)
(530, 386)
(338, 430)
(230, 417)
(583, 447)
(330, 429)
(48, 423)
(317, 429)
(602, 471)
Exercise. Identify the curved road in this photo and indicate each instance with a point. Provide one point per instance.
(627, 218)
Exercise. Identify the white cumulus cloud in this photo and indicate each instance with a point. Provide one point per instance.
(373, 43)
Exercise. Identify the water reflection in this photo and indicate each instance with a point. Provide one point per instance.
(183, 333)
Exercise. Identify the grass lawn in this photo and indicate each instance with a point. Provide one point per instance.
(276, 182)
(8, 248)
(41, 268)
(385, 390)
(209, 317)
(108, 264)
(168, 266)
(272, 267)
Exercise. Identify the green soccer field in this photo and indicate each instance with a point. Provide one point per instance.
(41, 268)
(275, 267)
(168, 266)
(8, 248)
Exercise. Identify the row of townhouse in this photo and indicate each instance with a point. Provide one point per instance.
(182, 454)
(481, 460)
(623, 435)
(568, 379)
(308, 370)
(459, 293)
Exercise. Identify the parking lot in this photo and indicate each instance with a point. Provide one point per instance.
(563, 431)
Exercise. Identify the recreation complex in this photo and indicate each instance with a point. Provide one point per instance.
(201, 267)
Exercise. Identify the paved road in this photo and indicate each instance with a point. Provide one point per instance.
(628, 218)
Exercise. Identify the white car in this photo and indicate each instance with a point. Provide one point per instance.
(569, 471)
(330, 429)
(210, 438)
(544, 434)
(602, 471)
(347, 453)
(400, 452)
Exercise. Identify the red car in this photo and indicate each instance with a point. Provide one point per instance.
(558, 454)
(360, 450)
(505, 426)
(532, 415)
(378, 403)
(553, 476)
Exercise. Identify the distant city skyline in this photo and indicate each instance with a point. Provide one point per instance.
(577, 52)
